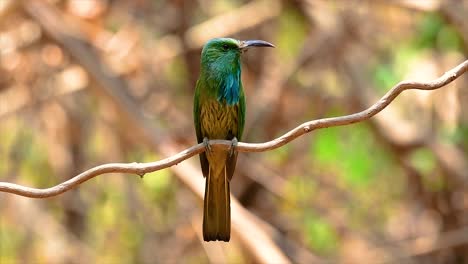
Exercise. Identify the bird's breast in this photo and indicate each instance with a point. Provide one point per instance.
(218, 120)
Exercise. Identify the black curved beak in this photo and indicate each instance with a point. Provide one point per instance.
(246, 44)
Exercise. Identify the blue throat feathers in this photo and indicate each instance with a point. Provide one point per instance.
(229, 89)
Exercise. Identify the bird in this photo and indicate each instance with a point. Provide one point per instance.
(219, 113)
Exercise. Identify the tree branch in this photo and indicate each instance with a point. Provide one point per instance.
(143, 168)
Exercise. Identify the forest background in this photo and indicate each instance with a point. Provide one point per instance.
(88, 82)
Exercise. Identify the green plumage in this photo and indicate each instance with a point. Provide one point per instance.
(219, 113)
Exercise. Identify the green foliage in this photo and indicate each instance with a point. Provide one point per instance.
(385, 77)
(349, 152)
(320, 235)
(113, 230)
(158, 186)
(429, 29)
(425, 162)
(11, 240)
(461, 135)
(387, 74)
(435, 33)
(279, 155)
(173, 72)
(292, 32)
(158, 183)
(300, 189)
(36, 167)
(33, 165)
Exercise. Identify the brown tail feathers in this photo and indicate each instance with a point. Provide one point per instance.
(217, 208)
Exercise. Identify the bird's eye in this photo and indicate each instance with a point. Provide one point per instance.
(225, 47)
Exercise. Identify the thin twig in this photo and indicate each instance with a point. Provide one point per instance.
(143, 168)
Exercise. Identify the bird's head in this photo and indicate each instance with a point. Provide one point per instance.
(222, 52)
(220, 66)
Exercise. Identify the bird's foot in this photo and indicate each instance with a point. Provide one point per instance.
(233, 146)
(206, 143)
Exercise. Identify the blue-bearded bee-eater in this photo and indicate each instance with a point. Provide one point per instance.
(219, 113)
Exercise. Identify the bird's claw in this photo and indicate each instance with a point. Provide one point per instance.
(233, 146)
(207, 145)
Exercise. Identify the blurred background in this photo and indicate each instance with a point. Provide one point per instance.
(88, 82)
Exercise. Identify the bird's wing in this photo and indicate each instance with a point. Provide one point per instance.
(241, 113)
(232, 160)
(196, 117)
